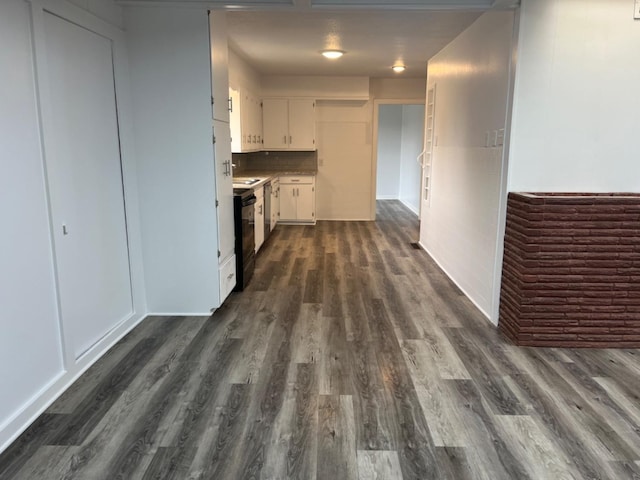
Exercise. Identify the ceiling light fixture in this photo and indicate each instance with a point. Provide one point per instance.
(398, 68)
(332, 54)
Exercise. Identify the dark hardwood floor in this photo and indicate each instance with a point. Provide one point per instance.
(350, 355)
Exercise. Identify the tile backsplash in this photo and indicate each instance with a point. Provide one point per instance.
(275, 161)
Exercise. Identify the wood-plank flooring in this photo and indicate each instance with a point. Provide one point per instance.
(349, 356)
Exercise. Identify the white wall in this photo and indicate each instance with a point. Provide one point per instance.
(460, 228)
(389, 152)
(106, 10)
(397, 88)
(30, 341)
(412, 142)
(576, 104)
(35, 370)
(243, 75)
(319, 87)
(171, 89)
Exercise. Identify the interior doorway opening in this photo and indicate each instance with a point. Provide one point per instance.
(400, 141)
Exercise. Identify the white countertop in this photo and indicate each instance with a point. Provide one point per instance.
(237, 182)
(264, 177)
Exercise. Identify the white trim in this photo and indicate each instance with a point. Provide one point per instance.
(42, 400)
(180, 314)
(457, 284)
(410, 207)
(387, 197)
(374, 142)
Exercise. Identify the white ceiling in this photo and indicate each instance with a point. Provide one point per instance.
(285, 37)
(289, 42)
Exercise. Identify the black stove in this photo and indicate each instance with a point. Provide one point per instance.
(243, 208)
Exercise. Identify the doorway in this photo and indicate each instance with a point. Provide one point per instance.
(400, 140)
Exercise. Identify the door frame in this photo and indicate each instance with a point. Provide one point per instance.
(374, 150)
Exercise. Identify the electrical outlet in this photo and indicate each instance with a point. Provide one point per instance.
(500, 139)
(487, 139)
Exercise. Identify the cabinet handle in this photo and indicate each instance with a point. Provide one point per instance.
(285, 140)
(260, 210)
(290, 140)
(254, 139)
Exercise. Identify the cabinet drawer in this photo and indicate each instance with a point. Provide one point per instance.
(227, 277)
(297, 179)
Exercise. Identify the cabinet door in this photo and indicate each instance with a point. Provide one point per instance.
(288, 202)
(219, 64)
(306, 202)
(302, 124)
(259, 222)
(224, 189)
(275, 123)
(245, 116)
(235, 121)
(274, 206)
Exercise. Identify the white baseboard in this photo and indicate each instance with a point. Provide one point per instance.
(387, 197)
(466, 294)
(410, 207)
(42, 400)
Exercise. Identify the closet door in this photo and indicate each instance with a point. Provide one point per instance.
(82, 152)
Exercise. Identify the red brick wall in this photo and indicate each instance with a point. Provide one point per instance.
(571, 270)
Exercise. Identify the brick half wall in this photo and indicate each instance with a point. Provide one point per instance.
(571, 270)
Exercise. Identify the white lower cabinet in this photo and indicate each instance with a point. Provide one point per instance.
(259, 218)
(297, 199)
(227, 276)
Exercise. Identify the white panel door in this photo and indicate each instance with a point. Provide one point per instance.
(224, 190)
(302, 124)
(85, 183)
(275, 123)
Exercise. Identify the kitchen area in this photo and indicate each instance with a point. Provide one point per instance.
(274, 163)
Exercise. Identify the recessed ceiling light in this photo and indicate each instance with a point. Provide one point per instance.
(332, 54)
(398, 68)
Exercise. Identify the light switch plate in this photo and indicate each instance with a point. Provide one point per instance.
(636, 10)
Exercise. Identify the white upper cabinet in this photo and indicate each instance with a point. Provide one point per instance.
(246, 121)
(219, 65)
(289, 124)
(302, 124)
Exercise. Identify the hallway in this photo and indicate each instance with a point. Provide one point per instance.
(350, 355)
